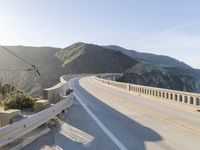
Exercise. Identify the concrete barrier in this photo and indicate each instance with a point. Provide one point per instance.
(56, 95)
(40, 105)
(7, 115)
(187, 98)
(12, 132)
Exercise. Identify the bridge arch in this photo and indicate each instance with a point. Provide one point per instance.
(186, 99)
(163, 94)
(159, 94)
(197, 101)
(180, 98)
(167, 95)
(171, 96)
(191, 100)
(175, 97)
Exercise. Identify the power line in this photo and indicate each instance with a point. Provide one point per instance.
(13, 70)
(34, 68)
(22, 59)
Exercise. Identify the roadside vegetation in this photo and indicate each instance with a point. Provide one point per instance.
(12, 98)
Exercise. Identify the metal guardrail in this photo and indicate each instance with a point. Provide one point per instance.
(12, 132)
(18, 129)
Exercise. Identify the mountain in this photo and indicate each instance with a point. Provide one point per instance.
(157, 78)
(138, 69)
(184, 71)
(54, 62)
(165, 64)
(89, 58)
(44, 58)
(151, 61)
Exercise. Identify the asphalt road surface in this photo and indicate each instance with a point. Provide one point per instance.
(112, 119)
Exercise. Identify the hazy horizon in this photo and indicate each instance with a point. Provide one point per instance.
(165, 28)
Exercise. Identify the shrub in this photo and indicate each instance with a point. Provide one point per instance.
(6, 89)
(19, 101)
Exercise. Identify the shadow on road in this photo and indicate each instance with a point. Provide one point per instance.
(129, 132)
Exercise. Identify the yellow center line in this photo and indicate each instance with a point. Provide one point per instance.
(167, 102)
(154, 114)
(162, 117)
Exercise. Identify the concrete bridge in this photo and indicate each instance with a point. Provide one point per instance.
(188, 98)
(123, 116)
(126, 116)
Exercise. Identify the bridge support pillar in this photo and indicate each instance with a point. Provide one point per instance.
(128, 87)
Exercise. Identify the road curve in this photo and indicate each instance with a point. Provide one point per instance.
(107, 118)
(116, 119)
(135, 122)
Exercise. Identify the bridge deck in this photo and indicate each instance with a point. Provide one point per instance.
(118, 119)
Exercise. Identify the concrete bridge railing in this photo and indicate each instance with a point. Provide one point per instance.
(54, 94)
(18, 129)
(191, 99)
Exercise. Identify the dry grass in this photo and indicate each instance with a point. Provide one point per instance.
(1, 108)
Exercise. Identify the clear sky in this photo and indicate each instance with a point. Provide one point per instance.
(168, 27)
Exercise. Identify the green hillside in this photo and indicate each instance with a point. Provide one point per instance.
(81, 58)
(49, 66)
(89, 58)
(151, 61)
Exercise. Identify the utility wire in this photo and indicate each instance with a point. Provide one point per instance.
(21, 70)
(34, 68)
(22, 59)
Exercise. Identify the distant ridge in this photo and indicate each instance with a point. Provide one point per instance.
(86, 58)
(151, 60)
(90, 58)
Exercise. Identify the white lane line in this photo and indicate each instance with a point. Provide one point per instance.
(101, 125)
(74, 134)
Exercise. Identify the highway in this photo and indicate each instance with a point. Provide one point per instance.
(136, 122)
(115, 119)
